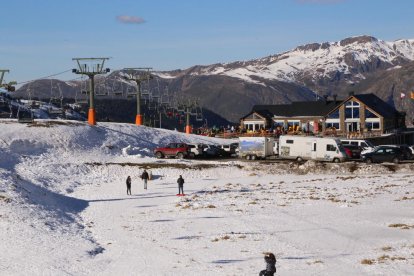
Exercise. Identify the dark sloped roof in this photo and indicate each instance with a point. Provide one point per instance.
(378, 105)
(314, 108)
(264, 113)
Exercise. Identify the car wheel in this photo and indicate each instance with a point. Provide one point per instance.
(368, 161)
(180, 155)
(254, 157)
(247, 157)
(299, 159)
(336, 160)
(191, 155)
(159, 155)
(396, 160)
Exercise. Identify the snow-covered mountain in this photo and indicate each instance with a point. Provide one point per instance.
(351, 57)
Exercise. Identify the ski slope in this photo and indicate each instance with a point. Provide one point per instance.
(64, 209)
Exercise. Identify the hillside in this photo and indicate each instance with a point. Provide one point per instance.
(64, 208)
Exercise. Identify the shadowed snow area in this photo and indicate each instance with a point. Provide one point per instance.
(64, 208)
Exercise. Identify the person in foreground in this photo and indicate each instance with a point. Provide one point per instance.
(128, 184)
(270, 260)
(180, 182)
(145, 177)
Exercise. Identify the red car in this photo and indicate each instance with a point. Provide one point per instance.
(179, 150)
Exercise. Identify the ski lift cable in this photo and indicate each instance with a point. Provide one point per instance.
(46, 77)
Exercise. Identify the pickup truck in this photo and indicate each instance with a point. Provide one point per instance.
(178, 150)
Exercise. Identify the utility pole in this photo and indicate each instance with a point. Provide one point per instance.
(138, 75)
(91, 67)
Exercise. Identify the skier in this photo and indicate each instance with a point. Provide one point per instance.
(145, 177)
(270, 260)
(128, 183)
(180, 182)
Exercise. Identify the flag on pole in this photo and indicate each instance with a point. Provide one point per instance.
(412, 95)
(402, 95)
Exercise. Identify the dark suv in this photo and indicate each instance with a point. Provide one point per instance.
(384, 154)
(179, 150)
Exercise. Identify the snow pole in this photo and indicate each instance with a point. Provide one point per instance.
(138, 120)
(188, 127)
(91, 117)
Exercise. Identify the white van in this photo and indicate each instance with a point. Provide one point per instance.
(364, 144)
(309, 147)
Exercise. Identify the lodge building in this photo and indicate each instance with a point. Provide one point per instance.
(363, 115)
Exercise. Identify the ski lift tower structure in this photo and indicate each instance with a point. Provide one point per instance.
(91, 67)
(9, 86)
(138, 75)
(190, 108)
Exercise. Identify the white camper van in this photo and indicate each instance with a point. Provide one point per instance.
(309, 147)
(253, 148)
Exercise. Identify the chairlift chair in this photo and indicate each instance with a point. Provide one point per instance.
(199, 117)
(100, 90)
(24, 115)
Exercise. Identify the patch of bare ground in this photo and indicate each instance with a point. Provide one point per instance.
(315, 262)
(55, 123)
(201, 166)
(401, 226)
(5, 199)
(368, 261)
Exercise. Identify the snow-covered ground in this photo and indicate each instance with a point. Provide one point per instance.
(64, 209)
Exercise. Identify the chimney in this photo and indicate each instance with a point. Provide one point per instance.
(352, 93)
(334, 96)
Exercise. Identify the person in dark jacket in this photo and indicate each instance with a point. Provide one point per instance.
(180, 182)
(270, 270)
(128, 183)
(145, 177)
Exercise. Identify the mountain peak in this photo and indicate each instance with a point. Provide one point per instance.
(358, 39)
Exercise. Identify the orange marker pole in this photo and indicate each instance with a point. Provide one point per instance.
(188, 129)
(91, 116)
(138, 120)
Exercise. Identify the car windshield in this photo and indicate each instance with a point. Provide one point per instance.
(369, 144)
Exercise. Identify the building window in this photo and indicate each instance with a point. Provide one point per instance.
(352, 110)
(332, 125)
(289, 141)
(334, 115)
(372, 125)
(369, 114)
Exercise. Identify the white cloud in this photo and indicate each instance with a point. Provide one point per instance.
(130, 19)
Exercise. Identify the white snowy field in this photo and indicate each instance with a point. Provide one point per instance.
(64, 209)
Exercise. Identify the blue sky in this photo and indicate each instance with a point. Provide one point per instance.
(40, 37)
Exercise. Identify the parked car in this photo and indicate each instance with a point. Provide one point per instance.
(229, 149)
(354, 151)
(196, 150)
(213, 151)
(178, 150)
(384, 154)
(408, 154)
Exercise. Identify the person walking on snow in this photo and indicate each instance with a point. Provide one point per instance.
(270, 260)
(128, 183)
(180, 182)
(145, 177)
